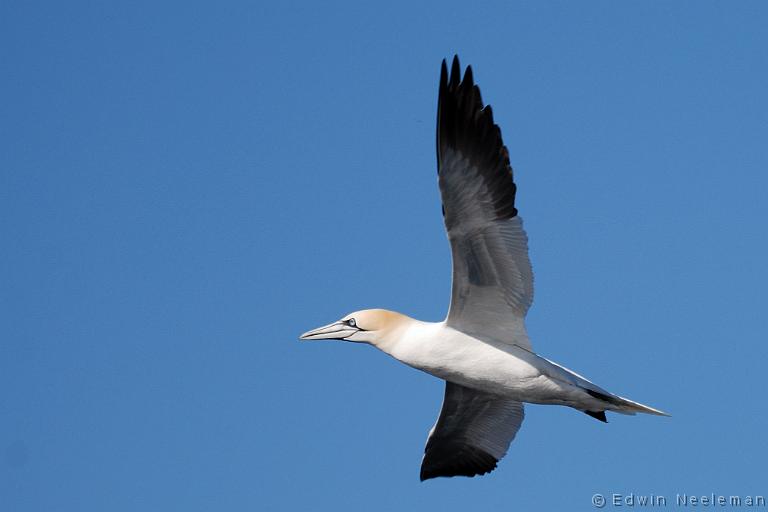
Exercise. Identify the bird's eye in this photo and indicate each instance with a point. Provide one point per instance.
(351, 322)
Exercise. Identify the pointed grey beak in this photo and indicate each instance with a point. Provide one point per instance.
(334, 331)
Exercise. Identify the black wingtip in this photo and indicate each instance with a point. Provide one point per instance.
(602, 396)
(455, 72)
(598, 415)
(468, 78)
(443, 74)
(464, 124)
(454, 459)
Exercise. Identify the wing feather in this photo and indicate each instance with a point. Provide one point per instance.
(492, 286)
(472, 433)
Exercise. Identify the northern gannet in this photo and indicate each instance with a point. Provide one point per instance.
(481, 349)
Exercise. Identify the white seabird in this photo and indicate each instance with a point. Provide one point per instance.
(481, 349)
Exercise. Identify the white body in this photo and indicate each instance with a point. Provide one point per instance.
(500, 368)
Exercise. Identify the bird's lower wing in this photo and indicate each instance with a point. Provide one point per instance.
(472, 434)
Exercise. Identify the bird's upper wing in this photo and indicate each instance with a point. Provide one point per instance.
(492, 277)
(472, 433)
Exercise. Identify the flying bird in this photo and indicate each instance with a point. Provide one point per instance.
(481, 350)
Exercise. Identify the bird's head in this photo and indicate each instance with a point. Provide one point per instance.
(366, 326)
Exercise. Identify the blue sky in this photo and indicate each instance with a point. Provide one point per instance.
(185, 187)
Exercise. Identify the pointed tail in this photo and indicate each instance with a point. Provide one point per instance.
(623, 405)
(612, 402)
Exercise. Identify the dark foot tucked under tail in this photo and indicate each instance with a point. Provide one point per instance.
(598, 415)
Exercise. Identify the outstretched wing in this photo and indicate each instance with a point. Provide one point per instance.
(472, 434)
(492, 277)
